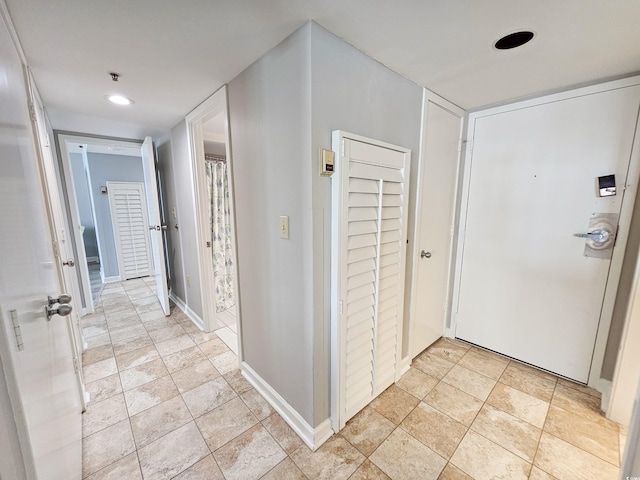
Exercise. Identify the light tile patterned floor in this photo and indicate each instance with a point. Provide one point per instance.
(169, 401)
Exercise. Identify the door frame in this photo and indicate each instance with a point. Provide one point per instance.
(73, 213)
(427, 99)
(626, 211)
(212, 106)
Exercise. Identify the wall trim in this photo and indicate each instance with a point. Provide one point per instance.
(405, 365)
(113, 279)
(312, 437)
(193, 316)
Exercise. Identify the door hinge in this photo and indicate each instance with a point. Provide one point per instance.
(56, 248)
(340, 307)
(16, 329)
(45, 140)
(446, 307)
(460, 143)
(76, 367)
(32, 112)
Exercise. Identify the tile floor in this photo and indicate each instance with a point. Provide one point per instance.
(168, 401)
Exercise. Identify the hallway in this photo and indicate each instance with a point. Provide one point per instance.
(168, 401)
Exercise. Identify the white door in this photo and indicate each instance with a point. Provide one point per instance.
(155, 222)
(528, 287)
(40, 374)
(369, 215)
(129, 217)
(435, 216)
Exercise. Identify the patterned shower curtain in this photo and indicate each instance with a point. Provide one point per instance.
(220, 216)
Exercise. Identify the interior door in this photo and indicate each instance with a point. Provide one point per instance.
(433, 242)
(155, 222)
(36, 354)
(529, 288)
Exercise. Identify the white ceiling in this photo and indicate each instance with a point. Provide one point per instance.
(173, 54)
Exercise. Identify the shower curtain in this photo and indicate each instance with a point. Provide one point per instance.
(221, 248)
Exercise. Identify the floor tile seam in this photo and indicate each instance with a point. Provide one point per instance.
(583, 419)
(473, 371)
(533, 370)
(474, 430)
(461, 391)
(515, 416)
(258, 422)
(466, 430)
(583, 450)
(527, 393)
(146, 383)
(135, 450)
(142, 445)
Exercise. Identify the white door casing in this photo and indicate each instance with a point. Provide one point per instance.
(435, 220)
(155, 220)
(525, 288)
(369, 224)
(129, 218)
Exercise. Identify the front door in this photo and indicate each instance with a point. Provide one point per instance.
(529, 288)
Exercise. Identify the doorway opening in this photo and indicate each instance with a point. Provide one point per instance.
(210, 154)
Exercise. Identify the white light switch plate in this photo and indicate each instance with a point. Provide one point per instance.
(284, 227)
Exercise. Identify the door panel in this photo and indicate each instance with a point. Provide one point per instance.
(526, 288)
(156, 235)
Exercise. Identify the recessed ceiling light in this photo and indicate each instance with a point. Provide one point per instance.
(514, 40)
(119, 99)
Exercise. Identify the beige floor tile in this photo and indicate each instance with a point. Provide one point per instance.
(94, 355)
(257, 404)
(535, 371)
(124, 322)
(130, 344)
(99, 370)
(137, 357)
(208, 396)
(225, 362)
(452, 472)
(159, 324)
(144, 373)
(474, 452)
(237, 381)
(213, 347)
(537, 474)
(150, 394)
(205, 469)
(174, 345)
(470, 382)
(194, 376)
(280, 430)
(525, 380)
(402, 457)
(100, 415)
(395, 404)
(126, 468)
(509, 432)
(519, 404)
(106, 447)
(167, 333)
(451, 351)
(582, 404)
(336, 459)
(119, 334)
(594, 438)
(97, 341)
(250, 455)
(367, 430)
(152, 315)
(203, 337)
(432, 365)
(486, 363)
(226, 422)
(568, 462)
(104, 388)
(368, 471)
(440, 433)
(183, 359)
(157, 421)
(457, 404)
(161, 459)
(286, 470)
(95, 330)
(417, 383)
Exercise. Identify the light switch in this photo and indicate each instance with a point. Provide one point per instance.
(284, 227)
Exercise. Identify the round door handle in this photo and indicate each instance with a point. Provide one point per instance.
(69, 263)
(424, 254)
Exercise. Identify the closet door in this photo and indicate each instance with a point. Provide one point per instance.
(130, 228)
(369, 218)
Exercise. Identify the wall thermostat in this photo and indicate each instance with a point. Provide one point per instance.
(326, 162)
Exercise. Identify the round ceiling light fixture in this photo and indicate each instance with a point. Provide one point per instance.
(514, 40)
(119, 99)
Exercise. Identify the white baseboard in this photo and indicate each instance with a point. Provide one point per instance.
(604, 387)
(405, 365)
(106, 280)
(93, 259)
(313, 437)
(193, 316)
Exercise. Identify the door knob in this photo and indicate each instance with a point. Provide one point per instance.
(62, 310)
(598, 236)
(69, 263)
(63, 298)
(424, 254)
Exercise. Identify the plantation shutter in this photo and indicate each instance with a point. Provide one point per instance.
(129, 217)
(369, 241)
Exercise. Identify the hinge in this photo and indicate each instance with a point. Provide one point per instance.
(340, 307)
(446, 306)
(16, 329)
(56, 248)
(460, 142)
(75, 365)
(45, 140)
(32, 112)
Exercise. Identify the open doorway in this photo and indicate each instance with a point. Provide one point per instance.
(211, 159)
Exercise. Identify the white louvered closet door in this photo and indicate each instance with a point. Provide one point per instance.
(130, 228)
(369, 215)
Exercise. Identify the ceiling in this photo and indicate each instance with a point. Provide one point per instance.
(173, 54)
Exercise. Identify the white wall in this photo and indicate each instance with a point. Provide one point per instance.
(83, 195)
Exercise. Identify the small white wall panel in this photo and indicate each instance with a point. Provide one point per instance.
(369, 239)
